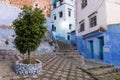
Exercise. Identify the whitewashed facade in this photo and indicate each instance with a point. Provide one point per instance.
(62, 18)
(106, 11)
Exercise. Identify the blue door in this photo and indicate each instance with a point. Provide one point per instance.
(91, 49)
(101, 44)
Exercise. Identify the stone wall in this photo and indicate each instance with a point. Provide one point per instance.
(28, 69)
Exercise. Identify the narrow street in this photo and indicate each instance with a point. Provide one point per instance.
(60, 67)
(59, 39)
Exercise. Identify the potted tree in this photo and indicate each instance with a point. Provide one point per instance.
(29, 29)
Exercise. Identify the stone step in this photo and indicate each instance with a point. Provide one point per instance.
(105, 71)
(71, 56)
(100, 67)
(64, 46)
(74, 56)
(92, 62)
(67, 50)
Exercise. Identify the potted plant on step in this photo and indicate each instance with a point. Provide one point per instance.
(29, 29)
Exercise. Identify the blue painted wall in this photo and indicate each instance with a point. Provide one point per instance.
(72, 38)
(57, 36)
(111, 52)
(83, 45)
(113, 43)
(80, 46)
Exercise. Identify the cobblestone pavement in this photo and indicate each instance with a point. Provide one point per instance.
(54, 68)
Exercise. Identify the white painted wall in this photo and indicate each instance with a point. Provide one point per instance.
(4, 35)
(47, 24)
(62, 24)
(69, 2)
(82, 14)
(8, 13)
(108, 12)
(113, 11)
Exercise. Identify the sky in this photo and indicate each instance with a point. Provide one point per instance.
(8, 14)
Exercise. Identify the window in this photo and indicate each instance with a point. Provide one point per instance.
(83, 4)
(68, 37)
(54, 5)
(53, 28)
(82, 26)
(54, 16)
(69, 12)
(93, 20)
(61, 1)
(45, 8)
(60, 14)
(36, 5)
(70, 26)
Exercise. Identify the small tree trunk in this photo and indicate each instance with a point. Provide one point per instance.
(29, 57)
(23, 57)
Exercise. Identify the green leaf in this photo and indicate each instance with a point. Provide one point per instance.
(29, 29)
